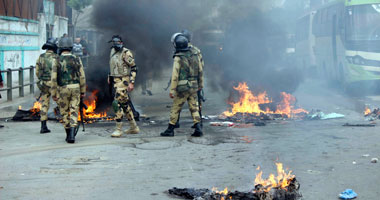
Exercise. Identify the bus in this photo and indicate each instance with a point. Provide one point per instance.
(340, 41)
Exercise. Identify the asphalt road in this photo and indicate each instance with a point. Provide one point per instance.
(326, 157)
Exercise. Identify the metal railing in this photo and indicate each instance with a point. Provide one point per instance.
(21, 83)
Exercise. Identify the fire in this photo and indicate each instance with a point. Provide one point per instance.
(19, 107)
(223, 192)
(250, 103)
(90, 102)
(282, 180)
(367, 111)
(36, 107)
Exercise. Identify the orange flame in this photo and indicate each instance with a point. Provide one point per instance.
(223, 192)
(250, 103)
(19, 107)
(367, 111)
(282, 180)
(36, 107)
(90, 102)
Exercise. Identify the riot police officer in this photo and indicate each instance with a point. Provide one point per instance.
(44, 66)
(122, 76)
(187, 79)
(68, 87)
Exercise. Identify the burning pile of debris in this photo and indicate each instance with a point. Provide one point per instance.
(32, 114)
(90, 115)
(372, 115)
(284, 186)
(252, 108)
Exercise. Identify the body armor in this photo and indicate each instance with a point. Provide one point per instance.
(188, 71)
(45, 65)
(68, 70)
(119, 68)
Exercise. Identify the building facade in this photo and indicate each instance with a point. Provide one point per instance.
(24, 27)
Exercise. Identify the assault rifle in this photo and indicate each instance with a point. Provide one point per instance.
(201, 98)
(82, 106)
(136, 114)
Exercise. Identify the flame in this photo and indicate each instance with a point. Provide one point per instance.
(19, 107)
(37, 105)
(36, 108)
(90, 102)
(367, 111)
(223, 192)
(250, 103)
(282, 180)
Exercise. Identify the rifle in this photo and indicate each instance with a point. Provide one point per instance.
(81, 107)
(136, 114)
(38, 98)
(169, 83)
(201, 98)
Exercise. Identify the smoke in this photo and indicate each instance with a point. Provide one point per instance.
(240, 41)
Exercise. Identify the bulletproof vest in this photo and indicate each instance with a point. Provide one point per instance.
(189, 69)
(68, 70)
(47, 60)
(118, 67)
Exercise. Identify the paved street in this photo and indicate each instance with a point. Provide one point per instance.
(320, 153)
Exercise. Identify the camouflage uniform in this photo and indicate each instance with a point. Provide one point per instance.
(198, 52)
(123, 71)
(44, 66)
(68, 83)
(187, 78)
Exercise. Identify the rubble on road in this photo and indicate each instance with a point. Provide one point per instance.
(372, 115)
(259, 193)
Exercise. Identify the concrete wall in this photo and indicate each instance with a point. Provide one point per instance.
(21, 41)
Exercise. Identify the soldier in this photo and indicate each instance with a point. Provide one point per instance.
(44, 66)
(122, 76)
(187, 34)
(187, 79)
(68, 86)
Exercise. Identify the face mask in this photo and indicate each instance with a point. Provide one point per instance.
(118, 47)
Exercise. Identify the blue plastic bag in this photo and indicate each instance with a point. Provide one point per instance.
(348, 194)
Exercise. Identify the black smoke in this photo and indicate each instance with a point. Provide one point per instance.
(250, 48)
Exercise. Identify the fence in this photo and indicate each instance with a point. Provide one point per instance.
(21, 83)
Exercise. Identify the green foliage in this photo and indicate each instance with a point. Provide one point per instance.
(78, 5)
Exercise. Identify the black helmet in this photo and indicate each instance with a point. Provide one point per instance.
(51, 44)
(65, 43)
(187, 34)
(181, 43)
(117, 42)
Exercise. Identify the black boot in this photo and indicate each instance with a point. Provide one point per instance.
(193, 126)
(71, 135)
(198, 130)
(169, 132)
(67, 133)
(44, 128)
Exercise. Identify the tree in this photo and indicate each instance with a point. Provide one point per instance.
(78, 6)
